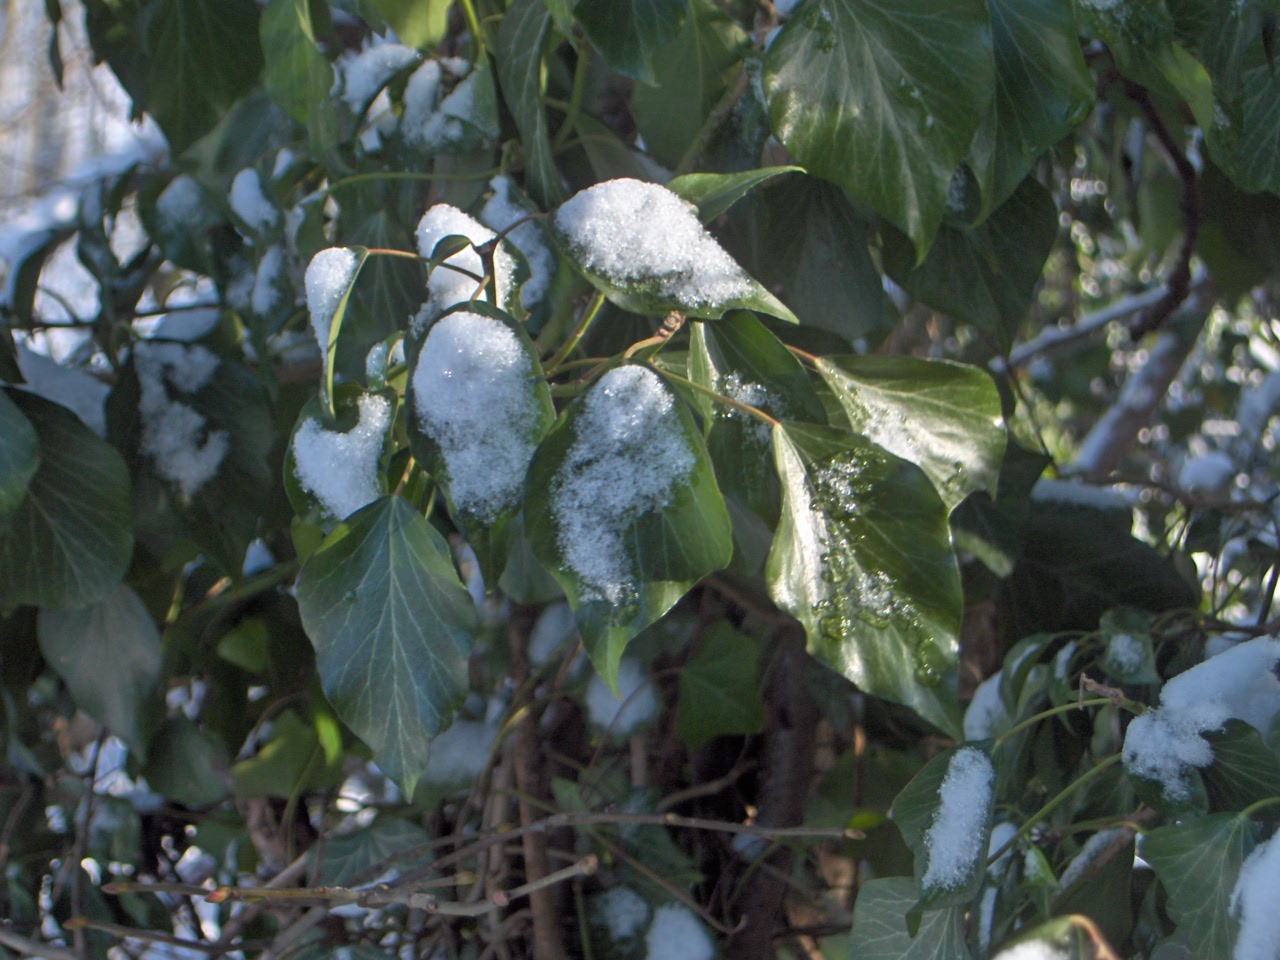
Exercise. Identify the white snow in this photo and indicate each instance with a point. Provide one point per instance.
(473, 394)
(623, 911)
(250, 204)
(180, 203)
(1032, 950)
(1256, 407)
(624, 714)
(329, 274)
(1126, 652)
(452, 123)
(986, 713)
(420, 100)
(447, 286)
(1208, 472)
(1239, 683)
(187, 325)
(174, 435)
(555, 625)
(634, 233)
(341, 469)
(627, 455)
(1088, 853)
(266, 294)
(954, 840)
(369, 71)
(1047, 490)
(1253, 901)
(460, 754)
(501, 211)
(677, 934)
(82, 394)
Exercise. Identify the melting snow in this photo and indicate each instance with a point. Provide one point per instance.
(1253, 900)
(954, 840)
(341, 469)
(368, 72)
(986, 713)
(266, 295)
(1126, 652)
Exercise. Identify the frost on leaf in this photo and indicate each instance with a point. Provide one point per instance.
(473, 395)
(642, 238)
(174, 434)
(329, 276)
(341, 469)
(458, 279)
(954, 841)
(627, 456)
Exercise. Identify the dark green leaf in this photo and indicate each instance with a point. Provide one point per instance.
(719, 688)
(24, 270)
(392, 627)
(862, 557)
(983, 275)
(944, 417)
(1198, 862)
(356, 859)
(623, 509)
(288, 762)
(714, 193)
(1043, 90)
(1244, 136)
(518, 61)
(187, 765)
(390, 289)
(1244, 769)
(629, 33)
(19, 456)
(68, 543)
(297, 75)
(1129, 656)
(108, 654)
(880, 925)
(884, 99)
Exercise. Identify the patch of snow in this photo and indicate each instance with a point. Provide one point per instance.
(329, 275)
(501, 211)
(1075, 494)
(181, 203)
(370, 70)
(460, 754)
(622, 715)
(1240, 683)
(623, 911)
(83, 395)
(1033, 950)
(634, 233)
(187, 325)
(420, 100)
(627, 455)
(985, 715)
(677, 934)
(266, 294)
(954, 840)
(1253, 901)
(473, 394)
(341, 469)
(1256, 407)
(1126, 652)
(457, 279)
(554, 627)
(250, 204)
(174, 435)
(455, 119)
(1088, 853)
(1208, 472)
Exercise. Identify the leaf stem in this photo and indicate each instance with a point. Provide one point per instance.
(580, 331)
(570, 123)
(1252, 808)
(722, 399)
(1046, 714)
(473, 25)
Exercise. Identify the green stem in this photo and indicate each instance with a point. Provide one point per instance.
(575, 97)
(1030, 823)
(722, 399)
(579, 332)
(1046, 714)
(1253, 808)
(473, 25)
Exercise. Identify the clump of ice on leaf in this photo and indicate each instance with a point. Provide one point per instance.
(473, 396)
(637, 234)
(174, 434)
(627, 456)
(341, 469)
(329, 274)
(459, 277)
(954, 839)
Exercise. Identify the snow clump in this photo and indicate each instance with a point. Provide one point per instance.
(329, 275)
(1253, 901)
(1209, 472)
(633, 233)
(676, 934)
(266, 294)
(501, 211)
(457, 120)
(250, 204)
(627, 455)
(458, 278)
(635, 705)
(623, 911)
(174, 435)
(954, 840)
(1126, 652)
(473, 393)
(181, 203)
(341, 469)
(1166, 741)
(986, 714)
(369, 71)
(1032, 950)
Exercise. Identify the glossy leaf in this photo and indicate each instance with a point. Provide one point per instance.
(944, 417)
(862, 558)
(1245, 768)
(108, 654)
(1244, 137)
(287, 763)
(1043, 91)
(880, 928)
(297, 75)
(392, 627)
(657, 554)
(1197, 862)
(19, 456)
(68, 543)
(714, 193)
(522, 36)
(629, 34)
(983, 275)
(720, 688)
(883, 99)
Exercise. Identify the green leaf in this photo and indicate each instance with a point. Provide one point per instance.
(884, 99)
(719, 688)
(1245, 769)
(187, 764)
(392, 627)
(329, 349)
(19, 456)
(341, 438)
(714, 193)
(944, 417)
(418, 23)
(522, 37)
(297, 75)
(984, 275)
(390, 289)
(356, 859)
(628, 34)
(862, 557)
(24, 271)
(203, 56)
(1198, 862)
(1244, 137)
(691, 74)
(289, 762)
(880, 929)
(108, 654)
(1129, 656)
(623, 509)
(1043, 91)
(68, 543)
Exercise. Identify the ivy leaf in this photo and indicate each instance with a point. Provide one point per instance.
(69, 541)
(719, 688)
(862, 557)
(629, 34)
(880, 925)
(623, 509)
(392, 627)
(357, 858)
(1129, 656)
(984, 275)
(944, 417)
(187, 764)
(714, 193)
(1244, 137)
(418, 23)
(19, 456)
(518, 61)
(1043, 91)
(108, 654)
(291, 760)
(884, 99)
(297, 76)
(1245, 769)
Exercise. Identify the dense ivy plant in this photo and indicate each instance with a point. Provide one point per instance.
(653, 478)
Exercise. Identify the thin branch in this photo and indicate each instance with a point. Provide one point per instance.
(159, 936)
(33, 948)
